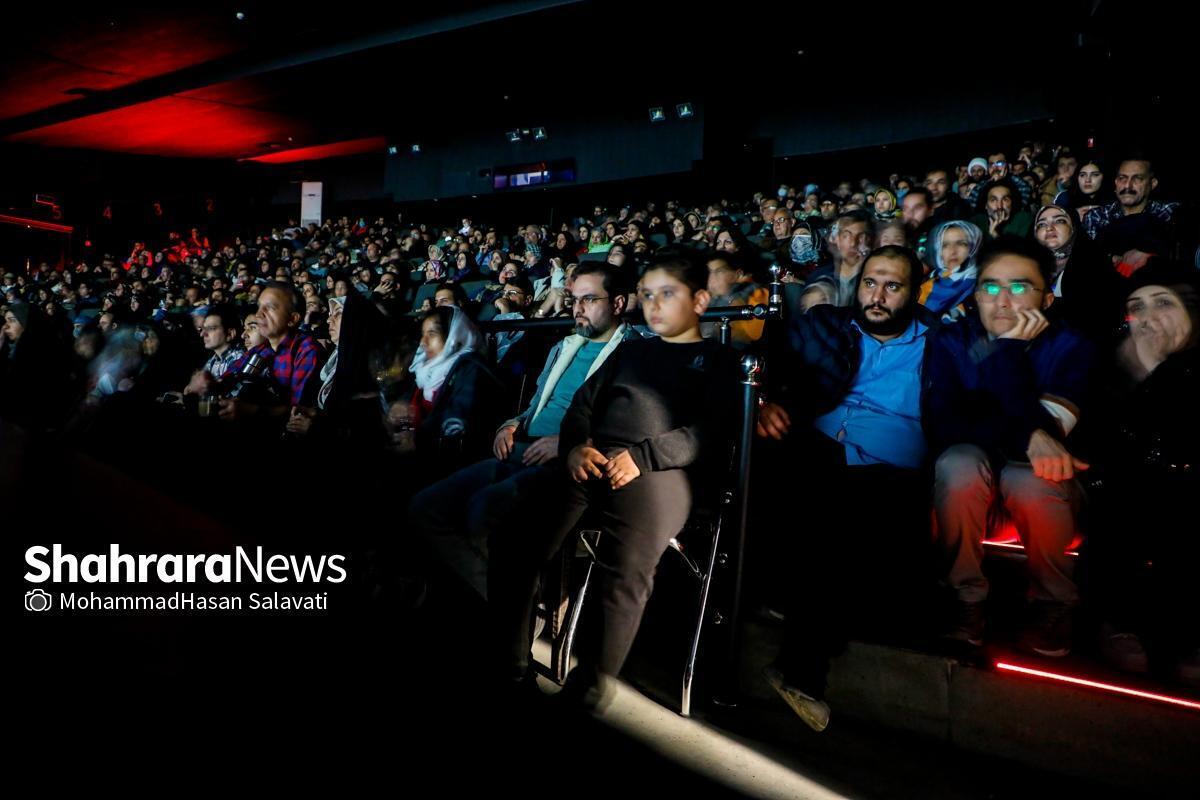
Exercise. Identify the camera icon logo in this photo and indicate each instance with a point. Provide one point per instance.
(37, 600)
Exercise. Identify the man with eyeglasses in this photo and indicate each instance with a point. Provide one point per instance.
(997, 172)
(482, 500)
(221, 335)
(1003, 391)
(514, 302)
(837, 285)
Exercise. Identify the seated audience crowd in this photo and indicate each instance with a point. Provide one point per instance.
(1000, 345)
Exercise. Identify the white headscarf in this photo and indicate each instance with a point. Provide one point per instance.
(463, 337)
(330, 368)
(974, 240)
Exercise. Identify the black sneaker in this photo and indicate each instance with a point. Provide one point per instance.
(968, 624)
(588, 691)
(1187, 669)
(1049, 631)
(1123, 650)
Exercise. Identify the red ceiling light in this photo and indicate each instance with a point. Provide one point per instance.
(84, 59)
(35, 223)
(1107, 687)
(220, 121)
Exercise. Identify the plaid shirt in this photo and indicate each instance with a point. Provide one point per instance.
(218, 365)
(1100, 218)
(297, 358)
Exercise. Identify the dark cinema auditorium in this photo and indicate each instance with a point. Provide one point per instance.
(594, 398)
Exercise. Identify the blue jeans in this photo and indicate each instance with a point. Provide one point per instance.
(477, 500)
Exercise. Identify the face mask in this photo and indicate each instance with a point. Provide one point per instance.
(802, 250)
(782, 193)
(900, 195)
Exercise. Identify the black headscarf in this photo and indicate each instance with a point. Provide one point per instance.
(364, 330)
(33, 377)
(1092, 291)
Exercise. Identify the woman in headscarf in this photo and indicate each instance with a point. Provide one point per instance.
(435, 266)
(563, 247)
(456, 408)
(599, 243)
(34, 369)
(884, 204)
(465, 268)
(348, 405)
(949, 288)
(1142, 554)
(1086, 288)
(682, 233)
(800, 256)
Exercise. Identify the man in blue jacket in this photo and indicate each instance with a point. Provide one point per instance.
(846, 407)
(1004, 388)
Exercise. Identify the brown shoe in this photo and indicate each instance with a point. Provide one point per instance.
(814, 712)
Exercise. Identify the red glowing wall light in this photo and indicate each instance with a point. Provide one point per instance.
(35, 223)
(352, 147)
(1107, 687)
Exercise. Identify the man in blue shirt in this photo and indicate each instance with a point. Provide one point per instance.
(852, 382)
(1004, 391)
(481, 500)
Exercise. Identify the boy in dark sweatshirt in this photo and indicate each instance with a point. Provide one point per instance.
(643, 436)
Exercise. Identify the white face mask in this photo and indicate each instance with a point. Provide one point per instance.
(801, 249)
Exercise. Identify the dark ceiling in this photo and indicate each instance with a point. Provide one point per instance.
(301, 80)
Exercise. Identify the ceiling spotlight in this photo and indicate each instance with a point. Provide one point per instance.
(685, 111)
(241, 16)
(416, 148)
(539, 134)
(393, 150)
(514, 136)
(657, 114)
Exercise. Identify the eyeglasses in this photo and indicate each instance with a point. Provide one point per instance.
(587, 300)
(998, 164)
(515, 294)
(1015, 289)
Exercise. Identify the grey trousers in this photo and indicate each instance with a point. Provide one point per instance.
(965, 488)
(637, 523)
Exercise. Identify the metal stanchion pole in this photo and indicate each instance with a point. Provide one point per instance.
(727, 688)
